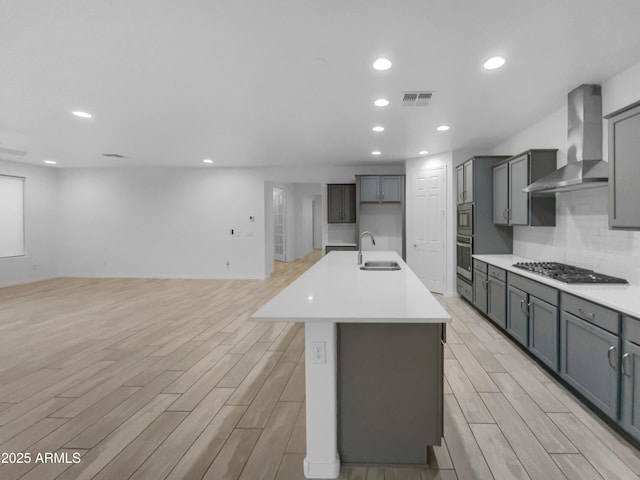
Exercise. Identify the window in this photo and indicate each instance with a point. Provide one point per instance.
(11, 216)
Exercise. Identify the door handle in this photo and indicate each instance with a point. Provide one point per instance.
(624, 369)
(415, 245)
(612, 349)
(529, 309)
(485, 284)
(522, 307)
(504, 214)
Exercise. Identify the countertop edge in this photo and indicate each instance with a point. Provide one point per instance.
(629, 293)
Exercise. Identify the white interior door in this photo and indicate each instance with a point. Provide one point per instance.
(279, 224)
(426, 228)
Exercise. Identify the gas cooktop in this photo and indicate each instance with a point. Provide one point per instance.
(567, 273)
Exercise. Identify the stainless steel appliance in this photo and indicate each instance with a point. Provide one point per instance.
(464, 246)
(465, 219)
(567, 273)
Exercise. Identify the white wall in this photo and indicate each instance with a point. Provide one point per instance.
(162, 222)
(582, 236)
(40, 214)
(414, 166)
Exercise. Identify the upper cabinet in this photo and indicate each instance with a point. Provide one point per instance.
(624, 167)
(342, 203)
(381, 188)
(512, 206)
(464, 182)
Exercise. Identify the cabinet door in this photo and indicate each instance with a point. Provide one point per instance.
(588, 361)
(624, 178)
(391, 190)
(631, 388)
(497, 302)
(544, 331)
(370, 189)
(518, 200)
(349, 203)
(517, 319)
(468, 182)
(460, 184)
(501, 194)
(480, 291)
(334, 193)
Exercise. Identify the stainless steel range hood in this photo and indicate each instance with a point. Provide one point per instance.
(585, 167)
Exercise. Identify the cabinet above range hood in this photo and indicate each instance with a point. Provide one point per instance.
(585, 167)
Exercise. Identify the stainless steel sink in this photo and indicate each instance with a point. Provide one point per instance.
(380, 265)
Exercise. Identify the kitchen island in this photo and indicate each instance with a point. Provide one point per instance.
(373, 362)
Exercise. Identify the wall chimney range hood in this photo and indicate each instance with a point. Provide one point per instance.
(585, 167)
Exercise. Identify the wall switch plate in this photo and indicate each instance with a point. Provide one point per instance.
(318, 352)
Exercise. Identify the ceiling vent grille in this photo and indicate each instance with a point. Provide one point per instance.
(114, 155)
(11, 151)
(416, 99)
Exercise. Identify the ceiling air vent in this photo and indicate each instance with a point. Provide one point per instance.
(416, 99)
(114, 155)
(11, 151)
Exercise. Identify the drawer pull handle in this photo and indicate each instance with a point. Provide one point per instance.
(624, 369)
(612, 349)
(587, 314)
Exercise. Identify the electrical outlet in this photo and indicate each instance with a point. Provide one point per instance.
(318, 352)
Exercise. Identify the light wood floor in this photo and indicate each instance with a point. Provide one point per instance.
(155, 379)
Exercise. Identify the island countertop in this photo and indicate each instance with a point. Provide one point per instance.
(336, 290)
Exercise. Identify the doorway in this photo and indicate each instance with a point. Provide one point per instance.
(279, 224)
(426, 229)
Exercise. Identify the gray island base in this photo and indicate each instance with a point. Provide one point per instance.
(390, 392)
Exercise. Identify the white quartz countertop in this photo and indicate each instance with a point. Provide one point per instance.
(336, 290)
(623, 298)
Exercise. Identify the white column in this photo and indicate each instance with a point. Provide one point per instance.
(322, 460)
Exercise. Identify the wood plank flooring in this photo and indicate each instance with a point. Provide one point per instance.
(168, 379)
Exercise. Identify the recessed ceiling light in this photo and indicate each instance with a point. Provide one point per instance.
(381, 102)
(50, 162)
(493, 63)
(376, 152)
(82, 114)
(423, 152)
(382, 64)
(378, 128)
(207, 160)
(443, 128)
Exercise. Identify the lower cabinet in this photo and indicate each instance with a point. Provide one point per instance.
(543, 331)
(496, 301)
(630, 366)
(517, 319)
(588, 361)
(480, 291)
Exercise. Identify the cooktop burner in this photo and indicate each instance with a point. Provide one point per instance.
(567, 273)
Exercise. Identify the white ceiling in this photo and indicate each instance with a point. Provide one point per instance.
(290, 82)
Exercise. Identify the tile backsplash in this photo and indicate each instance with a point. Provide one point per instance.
(341, 233)
(582, 237)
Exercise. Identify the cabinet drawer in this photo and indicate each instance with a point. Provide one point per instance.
(465, 289)
(498, 273)
(591, 312)
(480, 266)
(631, 329)
(543, 292)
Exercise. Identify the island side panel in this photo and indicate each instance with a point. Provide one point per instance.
(390, 387)
(322, 460)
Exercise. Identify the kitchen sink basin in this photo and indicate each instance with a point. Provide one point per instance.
(380, 265)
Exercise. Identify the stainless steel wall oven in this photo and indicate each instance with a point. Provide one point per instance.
(464, 247)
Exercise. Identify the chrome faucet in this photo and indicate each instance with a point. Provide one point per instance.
(373, 240)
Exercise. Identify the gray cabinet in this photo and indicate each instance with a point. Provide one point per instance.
(512, 206)
(381, 189)
(624, 167)
(630, 367)
(480, 287)
(501, 194)
(532, 317)
(341, 203)
(588, 361)
(517, 320)
(464, 182)
(497, 296)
